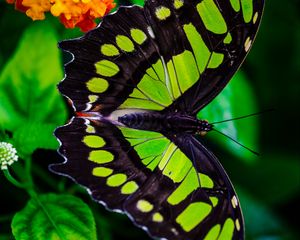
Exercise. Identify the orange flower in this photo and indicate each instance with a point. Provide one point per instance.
(34, 9)
(18, 5)
(80, 13)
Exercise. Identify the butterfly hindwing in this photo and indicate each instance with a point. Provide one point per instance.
(186, 206)
(225, 217)
(96, 152)
(137, 172)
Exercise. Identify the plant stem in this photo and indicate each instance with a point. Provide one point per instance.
(28, 164)
(11, 179)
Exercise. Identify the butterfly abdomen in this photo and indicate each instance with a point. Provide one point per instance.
(148, 121)
(172, 123)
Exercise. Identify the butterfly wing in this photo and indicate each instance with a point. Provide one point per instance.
(171, 54)
(203, 45)
(109, 62)
(93, 152)
(137, 172)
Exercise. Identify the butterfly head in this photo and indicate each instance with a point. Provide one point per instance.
(203, 127)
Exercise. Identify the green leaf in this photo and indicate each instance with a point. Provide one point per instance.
(54, 217)
(12, 24)
(41, 136)
(138, 2)
(237, 99)
(68, 33)
(28, 81)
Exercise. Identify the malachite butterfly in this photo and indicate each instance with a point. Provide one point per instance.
(137, 83)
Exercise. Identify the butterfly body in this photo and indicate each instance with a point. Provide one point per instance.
(137, 83)
(165, 123)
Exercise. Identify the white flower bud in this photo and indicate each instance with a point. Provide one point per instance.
(8, 155)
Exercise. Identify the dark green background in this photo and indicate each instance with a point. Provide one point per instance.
(268, 187)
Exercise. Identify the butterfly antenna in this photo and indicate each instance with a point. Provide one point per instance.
(246, 116)
(225, 135)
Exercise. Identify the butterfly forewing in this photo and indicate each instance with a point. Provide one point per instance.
(108, 62)
(214, 38)
(170, 57)
(169, 47)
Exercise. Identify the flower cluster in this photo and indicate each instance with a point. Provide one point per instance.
(8, 155)
(72, 13)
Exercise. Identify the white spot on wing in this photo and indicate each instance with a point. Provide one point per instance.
(248, 44)
(174, 231)
(88, 107)
(255, 17)
(237, 225)
(150, 31)
(234, 202)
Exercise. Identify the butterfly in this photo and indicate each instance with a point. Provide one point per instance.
(137, 83)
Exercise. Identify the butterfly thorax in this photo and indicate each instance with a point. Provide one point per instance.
(165, 123)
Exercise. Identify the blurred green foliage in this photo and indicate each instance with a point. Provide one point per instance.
(31, 107)
(236, 100)
(29, 100)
